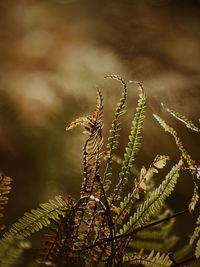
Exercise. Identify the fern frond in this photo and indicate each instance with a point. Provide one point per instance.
(154, 259)
(189, 124)
(140, 186)
(92, 147)
(4, 190)
(186, 156)
(196, 231)
(155, 201)
(36, 219)
(134, 142)
(158, 237)
(31, 222)
(114, 131)
(169, 129)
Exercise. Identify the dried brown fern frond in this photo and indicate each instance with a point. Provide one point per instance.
(4, 191)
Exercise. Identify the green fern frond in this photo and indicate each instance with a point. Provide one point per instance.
(115, 130)
(134, 142)
(189, 124)
(154, 259)
(154, 203)
(30, 223)
(37, 219)
(169, 129)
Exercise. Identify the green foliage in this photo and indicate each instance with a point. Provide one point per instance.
(104, 226)
(153, 204)
(114, 131)
(134, 142)
(31, 222)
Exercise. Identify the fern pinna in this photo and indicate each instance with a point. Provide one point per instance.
(108, 225)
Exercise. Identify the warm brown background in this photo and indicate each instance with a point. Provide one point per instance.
(54, 53)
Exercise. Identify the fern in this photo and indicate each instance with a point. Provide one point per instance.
(140, 186)
(4, 191)
(154, 259)
(154, 203)
(30, 223)
(186, 156)
(114, 131)
(134, 142)
(189, 124)
(169, 129)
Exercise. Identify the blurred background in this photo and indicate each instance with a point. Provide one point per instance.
(55, 53)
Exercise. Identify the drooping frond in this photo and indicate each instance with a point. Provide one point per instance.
(4, 191)
(154, 203)
(169, 129)
(35, 220)
(189, 124)
(134, 141)
(115, 130)
(32, 222)
(185, 155)
(154, 259)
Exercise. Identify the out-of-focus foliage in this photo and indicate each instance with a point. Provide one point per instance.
(54, 52)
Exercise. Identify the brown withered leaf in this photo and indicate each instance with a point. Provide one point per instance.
(160, 161)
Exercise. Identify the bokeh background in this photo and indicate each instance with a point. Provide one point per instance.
(53, 53)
